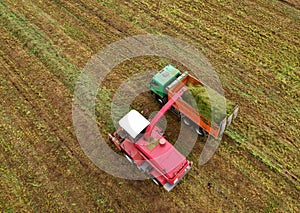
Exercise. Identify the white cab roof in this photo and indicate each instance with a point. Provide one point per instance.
(133, 123)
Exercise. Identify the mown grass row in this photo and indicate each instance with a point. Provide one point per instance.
(17, 145)
(40, 44)
(32, 38)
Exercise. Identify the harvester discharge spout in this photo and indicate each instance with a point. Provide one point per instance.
(162, 111)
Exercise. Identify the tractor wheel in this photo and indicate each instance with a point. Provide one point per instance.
(187, 121)
(199, 130)
(176, 111)
(160, 100)
(152, 94)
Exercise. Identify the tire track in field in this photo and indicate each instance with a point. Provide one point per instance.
(24, 125)
(292, 3)
(46, 149)
(219, 25)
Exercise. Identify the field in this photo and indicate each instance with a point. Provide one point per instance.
(254, 47)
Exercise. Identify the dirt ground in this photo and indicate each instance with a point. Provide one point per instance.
(254, 48)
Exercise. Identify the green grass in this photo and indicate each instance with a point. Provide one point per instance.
(208, 102)
(258, 66)
(40, 45)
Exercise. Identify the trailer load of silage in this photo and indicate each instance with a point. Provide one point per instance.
(198, 98)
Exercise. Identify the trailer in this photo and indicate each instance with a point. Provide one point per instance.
(166, 83)
(143, 143)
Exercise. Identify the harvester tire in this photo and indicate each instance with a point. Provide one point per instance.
(128, 158)
(156, 181)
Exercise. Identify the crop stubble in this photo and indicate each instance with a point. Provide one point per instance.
(210, 187)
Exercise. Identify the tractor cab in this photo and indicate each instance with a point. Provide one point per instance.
(162, 79)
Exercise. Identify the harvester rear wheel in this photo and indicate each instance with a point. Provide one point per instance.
(156, 181)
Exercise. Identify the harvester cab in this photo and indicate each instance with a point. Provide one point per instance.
(133, 125)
